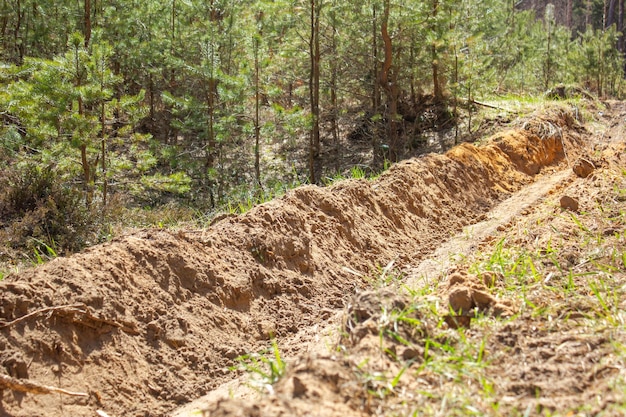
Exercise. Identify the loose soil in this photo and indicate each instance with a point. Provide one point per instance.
(150, 321)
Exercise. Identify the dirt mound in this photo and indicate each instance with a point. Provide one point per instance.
(468, 296)
(382, 337)
(153, 320)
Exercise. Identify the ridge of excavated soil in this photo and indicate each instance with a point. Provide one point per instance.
(152, 320)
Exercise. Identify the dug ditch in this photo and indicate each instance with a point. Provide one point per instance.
(151, 321)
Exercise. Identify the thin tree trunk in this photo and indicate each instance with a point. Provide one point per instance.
(151, 95)
(103, 150)
(435, 60)
(87, 176)
(231, 45)
(333, 92)
(549, 20)
(390, 87)
(512, 26)
(610, 13)
(456, 94)
(316, 78)
(620, 27)
(314, 87)
(4, 25)
(568, 13)
(621, 44)
(412, 82)
(173, 27)
(19, 46)
(601, 72)
(376, 99)
(103, 147)
(375, 78)
(95, 12)
(257, 122)
(173, 40)
(86, 172)
(87, 17)
(209, 145)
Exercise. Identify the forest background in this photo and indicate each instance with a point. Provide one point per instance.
(149, 113)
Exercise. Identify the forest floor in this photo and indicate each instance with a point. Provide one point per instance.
(489, 280)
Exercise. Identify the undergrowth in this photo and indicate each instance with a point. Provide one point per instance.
(564, 272)
(263, 369)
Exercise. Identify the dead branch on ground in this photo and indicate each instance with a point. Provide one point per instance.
(32, 387)
(85, 317)
(41, 311)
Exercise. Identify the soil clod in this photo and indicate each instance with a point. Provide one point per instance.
(583, 167)
(569, 203)
(468, 295)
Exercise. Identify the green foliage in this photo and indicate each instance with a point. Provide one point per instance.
(599, 63)
(178, 183)
(161, 103)
(42, 215)
(264, 369)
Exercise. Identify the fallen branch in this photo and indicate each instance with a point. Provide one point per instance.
(85, 316)
(88, 316)
(41, 311)
(489, 106)
(32, 387)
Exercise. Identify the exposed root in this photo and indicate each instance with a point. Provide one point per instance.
(32, 387)
(78, 313)
(39, 312)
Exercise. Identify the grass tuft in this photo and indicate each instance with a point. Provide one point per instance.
(264, 368)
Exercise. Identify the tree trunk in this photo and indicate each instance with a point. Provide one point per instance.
(334, 110)
(87, 177)
(86, 173)
(19, 46)
(257, 121)
(87, 18)
(610, 15)
(621, 45)
(375, 75)
(549, 21)
(568, 13)
(377, 157)
(84, 160)
(103, 151)
(209, 144)
(4, 26)
(151, 96)
(412, 85)
(456, 94)
(173, 40)
(390, 87)
(620, 26)
(314, 87)
(512, 25)
(173, 27)
(435, 61)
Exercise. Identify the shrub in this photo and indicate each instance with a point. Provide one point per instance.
(38, 211)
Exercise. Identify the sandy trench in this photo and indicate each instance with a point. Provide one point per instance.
(150, 321)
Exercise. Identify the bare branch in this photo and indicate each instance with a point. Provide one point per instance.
(43, 311)
(32, 387)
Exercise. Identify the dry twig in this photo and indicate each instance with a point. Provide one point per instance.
(32, 387)
(41, 311)
(86, 316)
